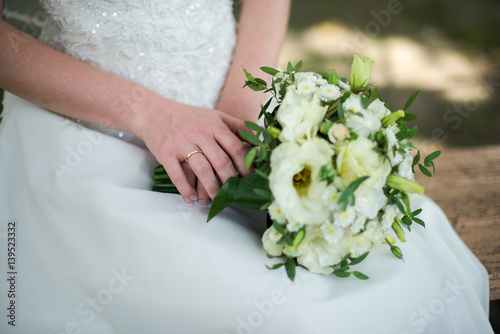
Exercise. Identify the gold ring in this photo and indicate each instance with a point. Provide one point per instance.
(191, 153)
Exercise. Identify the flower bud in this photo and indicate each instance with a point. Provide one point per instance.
(396, 226)
(338, 131)
(389, 119)
(360, 71)
(297, 240)
(402, 184)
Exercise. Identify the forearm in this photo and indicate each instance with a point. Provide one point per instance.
(53, 80)
(261, 31)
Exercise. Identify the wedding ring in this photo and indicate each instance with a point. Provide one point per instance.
(191, 153)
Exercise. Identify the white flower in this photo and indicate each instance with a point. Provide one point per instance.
(390, 135)
(300, 116)
(293, 226)
(338, 131)
(391, 212)
(276, 213)
(404, 168)
(357, 158)
(369, 200)
(378, 109)
(358, 223)
(306, 76)
(394, 157)
(331, 232)
(294, 180)
(353, 103)
(331, 197)
(329, 92)
(269, 240)
(345, 218)
(316, 254)
(306, 87)
(344, 85)
(364, 123)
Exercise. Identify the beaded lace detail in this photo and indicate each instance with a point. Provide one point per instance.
(179, 48)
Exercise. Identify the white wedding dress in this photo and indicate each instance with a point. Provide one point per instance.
(87, 247)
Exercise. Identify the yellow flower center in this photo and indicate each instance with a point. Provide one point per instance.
(302, 180)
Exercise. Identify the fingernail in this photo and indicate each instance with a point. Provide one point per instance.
(190, 200)
(202, 202)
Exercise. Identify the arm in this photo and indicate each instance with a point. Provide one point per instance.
(261, 31)
(42, 75)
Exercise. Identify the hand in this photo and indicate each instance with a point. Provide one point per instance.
(171, 133)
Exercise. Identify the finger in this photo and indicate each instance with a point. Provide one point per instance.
(205, 173)
(220, 160)
(236, 149)
(178, 177)
(203, 197)
(234, 124)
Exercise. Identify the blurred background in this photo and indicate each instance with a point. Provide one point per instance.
(447, 49)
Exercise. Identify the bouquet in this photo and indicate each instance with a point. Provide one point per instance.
(332, 165)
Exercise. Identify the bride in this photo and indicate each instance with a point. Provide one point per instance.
(115, 88)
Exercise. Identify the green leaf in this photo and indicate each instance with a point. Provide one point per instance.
(359, 258)
(261, 82)
(432, 156)
(340, 111)
(249, 76)
(410, 117)
(411, 133)
(424, 170)
(290, 268)
(416, 212)
(253, 126)
(418, 221)
(410, 100)
(298, 66)
(160, 177)
(278, 227)
(289, 67)
(250, 137)
(262, 174)
(238, 192)
(360, 275)
(276, 266)
(266, 194)
(269, 70)
(159, 170)
(347, 196)
(416, 159)
(250, 157)
(342, 274)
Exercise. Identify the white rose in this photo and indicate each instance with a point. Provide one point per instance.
(338, 131)
(269, 241)
(364, 123)
(357, 158)
(300, 116)
(294, 180)
(378, 109)
(369, 200)
(316, 254)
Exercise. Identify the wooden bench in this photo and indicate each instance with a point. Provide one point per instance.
(467, 187)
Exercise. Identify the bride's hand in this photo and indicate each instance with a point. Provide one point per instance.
(172, 133)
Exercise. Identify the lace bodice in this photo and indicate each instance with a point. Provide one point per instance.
(178, 48)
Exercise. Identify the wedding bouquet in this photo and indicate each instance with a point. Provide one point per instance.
(332, 165)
